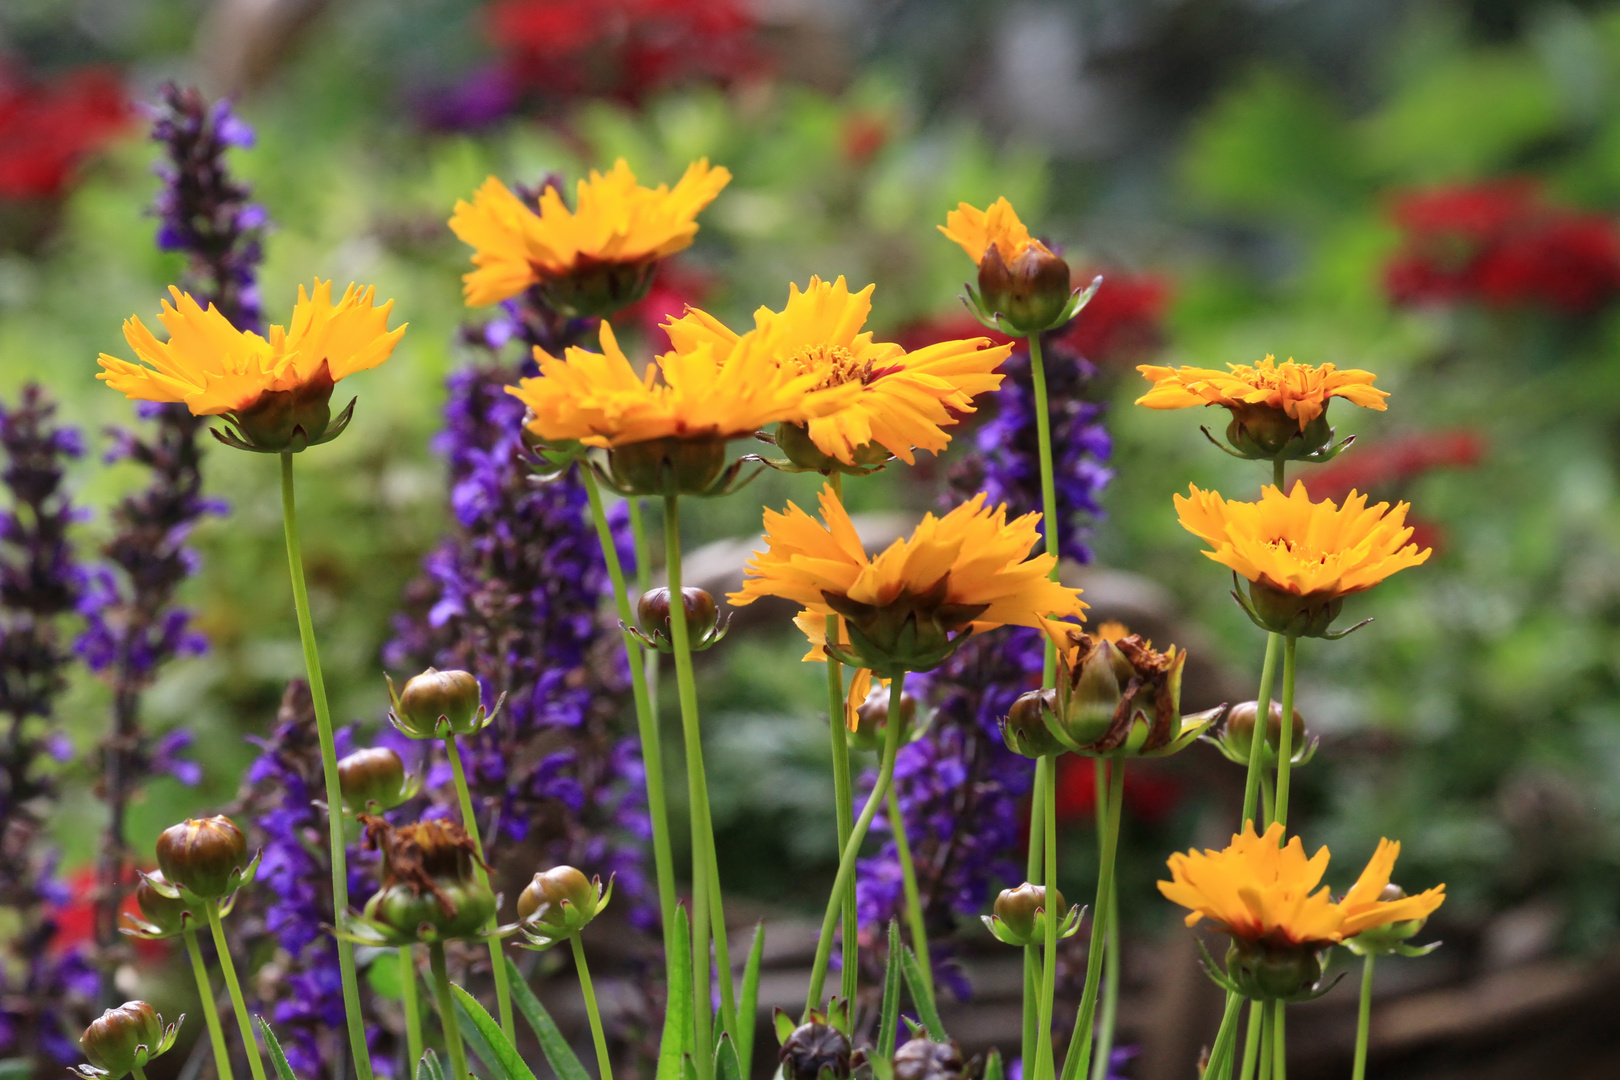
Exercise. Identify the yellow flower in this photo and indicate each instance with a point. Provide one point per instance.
(270, 388)
(1260, 890)
(1024, 289)
(592, 260)
(909, 608)
(904, 399)
(976, 230)
(1299, 390)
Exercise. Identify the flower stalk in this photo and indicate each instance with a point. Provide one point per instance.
(1363, 1018)
(908, 882)
(413, 1009)
(1078, 1063)
(604, 1066)
(234, 987)
(205, 995)
(1251, 784)
(1102, 1057)
(447, 1011)
(1285, 749)
(1046, 797)
(497, 961)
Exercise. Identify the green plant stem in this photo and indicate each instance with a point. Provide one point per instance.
(1268, 798)
(1251, 1045)
(1032, 997)
(216, 1033)
(1279, 1052)
(1109, 1018)
(137, 1072)
(604, 1067)
(1363, 1019)
(652, 756)
(1225, 1048)
(1277, 468)
(852, 850)
(704, 861)
(447, 1011)
(650, 658)
(1285, 740)
(413, 1011)
(1078, 1063)
(1265, 1039)
(1262, 720)
(228, 970)
(497, 960)
(844, 798)
(1032, 874)
(908, 881)
(334, 791)
(1047, 797)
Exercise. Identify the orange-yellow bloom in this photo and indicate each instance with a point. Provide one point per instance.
(215, 368)
(615, 233)
(904, 399)
(1308, 549)
(1298, 390)
(976, 230)
(1260, 890)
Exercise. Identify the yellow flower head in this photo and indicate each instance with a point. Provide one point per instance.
(904, 399)
(600, 255)
(1260, 890)
(908, 608)
(1300, 391)
(216, 369)
(976, 230)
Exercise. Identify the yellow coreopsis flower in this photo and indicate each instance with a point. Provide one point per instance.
(1023, 287)
(1278, 410)
(908, 609)
(905, 400)
(677, 416)
(276, 391)
(998, 226)
(1301, 557)
(592, 260)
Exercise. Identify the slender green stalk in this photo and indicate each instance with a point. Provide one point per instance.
(704, 861)
(852, 850)
(1279, 1052)
(652, 756)
(908, 881)
(1265, 1039)
(446, 1003)
(1032, 997)
(1102, 1057)
(844, 797)
(137, 1072)
(216, 1034)
(1225, 1048)
(1251, 1045)
(497, 959)
(1363, 1020)
(1277, 467)
(1268, 798)
(1047, 797)
(1078, 1063)
(334, 791)
(413, 1011)
(1032, 874)
(1285, 748)
(228, 969)
(604, 1067)
(1251, 785)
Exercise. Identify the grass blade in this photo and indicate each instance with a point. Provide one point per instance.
(748, 1004)
(676, 1045)
(487, 1039)
(889, 1024)
(429, 1068)
(919, 995)
(278, 1059)
(726, 1065)
(559, 1055)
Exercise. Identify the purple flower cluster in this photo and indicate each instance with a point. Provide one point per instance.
(46, 988)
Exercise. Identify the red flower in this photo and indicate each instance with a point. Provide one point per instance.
(47, 129)
(676, 287)
(1122, 321)
(1368, 468)
(1150, 793)
(863, 136)
(76, 919)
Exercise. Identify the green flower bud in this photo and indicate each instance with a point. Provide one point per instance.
(703, 627)
(437, 704)
(923, 1059)
(1292, 614)
(373, 780)
(1018, 908)
(1024, 728)
(815, 1051)
(1093, 694)
(1390, 938)
(668, 466)
(597, 288)
(287, 421)
(1030, 293)
(124, 1039)
(162, 915)
(207, 857)
(1264, 972)
(455, 909)
(1237, 735)
(796, 445)
(1264, 432)
(558, 904)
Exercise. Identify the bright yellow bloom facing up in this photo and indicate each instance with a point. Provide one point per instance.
(614, 221)
(1293, 545)
(904, 399)
(1259, 889)
(976, 230)
(215, 368)
(1299, 390)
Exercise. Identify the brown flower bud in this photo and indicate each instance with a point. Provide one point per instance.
(668, 466)
(164, 914)
(1019, 908)
(205, 857)
(373, 780)
(652, 615)
(123, 1038)
(923, 1059)
(815, 1048)
(438, 703)
(562, 897)
(1024, 728)
(872, 716)
(1030, 292)
(1239, 731)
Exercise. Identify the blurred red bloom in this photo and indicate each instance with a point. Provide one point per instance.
(76, 919)
(864, 134)
(1123, 321)
(676, 286)
(1500, 244)
(1150, 793)
(46, 129)
(1368, 468)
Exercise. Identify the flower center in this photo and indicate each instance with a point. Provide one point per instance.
(837, 365)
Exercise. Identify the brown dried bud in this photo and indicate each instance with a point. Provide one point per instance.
(652, 615)
(815, 1048)
(204, 856)
(923, 1059)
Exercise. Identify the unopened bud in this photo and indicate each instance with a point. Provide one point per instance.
(558, 904)
(813, 1049)
(702, 624)
(1030, 292)
(1239, 730)
(796, 445)
(1024, 728)
(124, 1039)
(872, 716)
(1019, 908)
(1264, 972)
(373, 780)
(436, 704)
(163, 915)
(1093, 694)
(206, 857)
(924, 1059)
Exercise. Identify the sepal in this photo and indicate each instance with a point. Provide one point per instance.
(1007, 936)
(995, 320)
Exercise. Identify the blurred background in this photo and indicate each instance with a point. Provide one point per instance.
(1429, 190)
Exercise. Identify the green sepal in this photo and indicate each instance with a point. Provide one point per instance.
(998, 322)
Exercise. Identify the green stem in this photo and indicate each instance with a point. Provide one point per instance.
(650, 658)
(844, 798)
(1106, 1025)
(1251, 785)
(1363, 1019)
(1251, 1045)
(216, 1034)
(652, 757)
(228, 969)
(1225, 1049)
(447, 1011)
(1032, 874)
(1285, 748)
(334, 792)
(852, 850)
(604, 1067)
(1078, 1062)
(704, 861)
(1032, 997)
(1268, 798)
(1279, 1052)
(1265, 1039)
(908, 880)
(497, 960)
(1277, 467)
(1049, 515)
(1047, 797)
(413, 1011)
(137, 1072)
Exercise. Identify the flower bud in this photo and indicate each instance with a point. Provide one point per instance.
(668, 466)
(813, 1049)
(1093, 694)
(373, 780)
(126, 1038)
(1024, 728)
(437, 704)
(205, 857)
(923, 1059)
(597, 288)
(162, 915)
(1390, 937)
(1018, 908)
(455, 909)
(1293, 614)
(872, 715)
(796, 445)
(1264, 972)
(703, 627)
(1263, 432)
(1238, 734)
(1030, 293)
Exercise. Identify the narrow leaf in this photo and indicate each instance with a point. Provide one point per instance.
(726, 1065)
(559, 1055)
(992, 1066)
(919, 995)
(889, 1024)
(676, 1044)
(277, 1059)
(489, 1042)
(429, 1068)
(748, 1004)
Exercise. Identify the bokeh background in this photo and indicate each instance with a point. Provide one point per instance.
(1429, 190)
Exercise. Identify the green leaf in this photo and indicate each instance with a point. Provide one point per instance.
(429, 1068)
(277, 1059)
(677, 1040)
(16, 1069)
(919, 995)
(559, 1055)
(992, 1066)
(726, 1064)
(487, 1039)
(383, 973)
(889, 1025)
(748, 1004)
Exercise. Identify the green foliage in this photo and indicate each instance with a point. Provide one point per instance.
(559, 1055)
(486, 1039)
(278, 1059)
